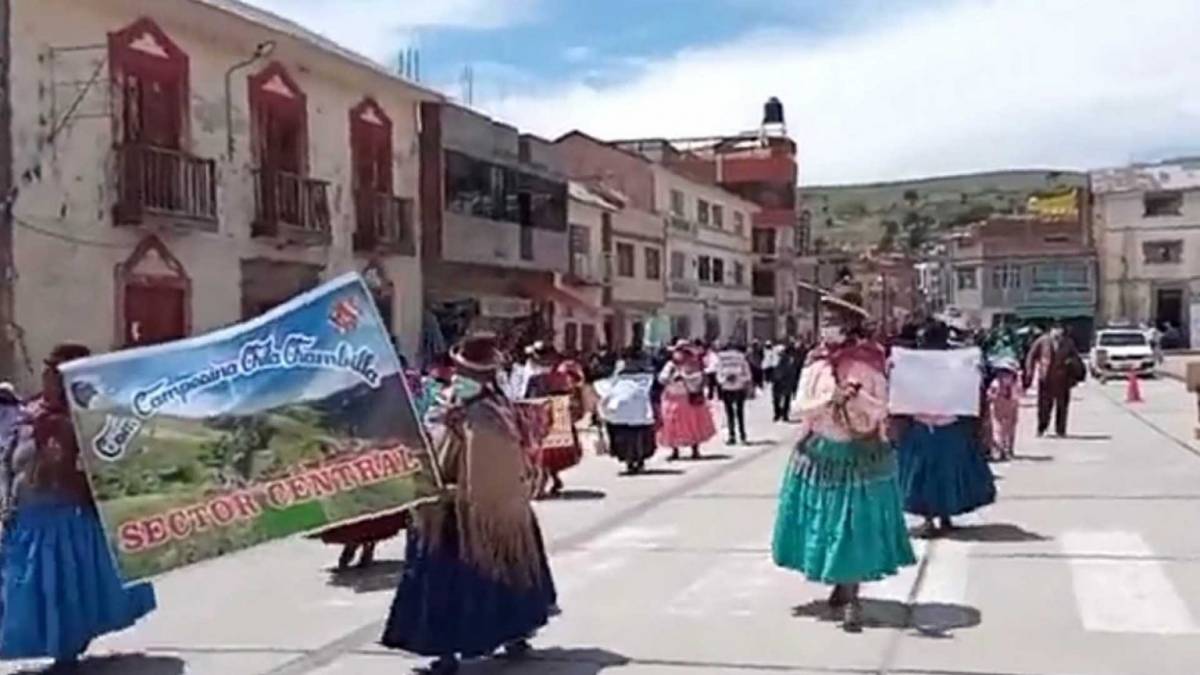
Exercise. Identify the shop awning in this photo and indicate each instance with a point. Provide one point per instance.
(549, 292)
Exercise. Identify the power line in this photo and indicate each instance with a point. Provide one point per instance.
(66, 237)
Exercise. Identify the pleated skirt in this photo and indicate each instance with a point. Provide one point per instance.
(684, 423)
(840, 518)
(944, 470)
(61, 588)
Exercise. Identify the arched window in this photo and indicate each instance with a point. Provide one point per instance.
(154, 296)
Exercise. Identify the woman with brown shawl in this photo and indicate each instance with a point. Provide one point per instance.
(476, 576)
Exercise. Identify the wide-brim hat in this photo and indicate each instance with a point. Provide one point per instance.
(479, 351)
(847, 301)
(66, 352)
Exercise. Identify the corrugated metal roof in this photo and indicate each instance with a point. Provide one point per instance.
(1175, 176)
(279, 24)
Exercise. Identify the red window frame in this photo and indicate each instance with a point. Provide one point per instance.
(127, 276)
(269, 107)
(371, 147)
(132, 61)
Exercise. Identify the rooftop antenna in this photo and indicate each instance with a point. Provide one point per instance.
(468, 82)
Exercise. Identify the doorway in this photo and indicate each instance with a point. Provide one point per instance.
(1169, 316)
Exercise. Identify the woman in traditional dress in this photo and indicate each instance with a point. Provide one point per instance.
(545, 377)
(686, 419)
(61, 589)
(943, 467)
(628, 412)
(476, 577)
(840, 520)
(1004, 407)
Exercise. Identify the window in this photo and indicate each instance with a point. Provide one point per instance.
(1162, 203)
(705, 269)
(718, 215)
(653, 263)
(763, 242)
(763, 283)
(702, 213)
(151, 74)
(677, 203)
(380, 217)
(802, 235)
(580, 239)
(718, 271)
(1162, 252)
(739, 223)
(967, 278)
(678, 265)
(625, 260)
(1056, 239)
(739, 274)
(1006, 276)
(479, 188)
(570, 336)
(1060, 275)
(154, 296)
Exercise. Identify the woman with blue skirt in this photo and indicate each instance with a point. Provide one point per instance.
(60, 588)
(476, 577)
(840, 520)
(943, 464)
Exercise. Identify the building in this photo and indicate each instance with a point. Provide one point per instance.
(1146, 221)
(494, 227)
(589, 269)
(760, 166)
(180, 165)
(708, 258)
(1025, 268)
(632, 241)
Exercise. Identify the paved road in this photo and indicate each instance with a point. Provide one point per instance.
(1089, 564)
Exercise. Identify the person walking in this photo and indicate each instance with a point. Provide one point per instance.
(1004, 406)
(711, 389)
(476, 577)
(839, 520)
(736, 381)
(1056, 363)
(686, 419)
(624, 405)
(943, 467)
(785, 377)
(754, 356)
(60, 587)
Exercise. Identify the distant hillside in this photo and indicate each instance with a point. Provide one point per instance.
(907, 215)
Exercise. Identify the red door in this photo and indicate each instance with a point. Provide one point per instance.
(154, 314)
(371, 156)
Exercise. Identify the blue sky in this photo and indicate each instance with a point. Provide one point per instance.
(875, 89)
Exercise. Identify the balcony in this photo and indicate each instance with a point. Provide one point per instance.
(584, 270)
(680, 224)
(383, 223)
(158, 184)
(291, 207)
(685, 287)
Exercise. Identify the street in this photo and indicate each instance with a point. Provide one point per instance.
(1089, 563)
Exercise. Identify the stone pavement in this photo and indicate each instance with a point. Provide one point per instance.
(1088, 564)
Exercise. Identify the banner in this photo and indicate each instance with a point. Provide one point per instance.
(292, 422)
(935, 382)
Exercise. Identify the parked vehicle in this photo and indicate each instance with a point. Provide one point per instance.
(1119, 351)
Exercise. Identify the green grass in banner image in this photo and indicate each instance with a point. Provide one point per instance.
(387, 496)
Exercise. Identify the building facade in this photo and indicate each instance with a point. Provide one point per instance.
(709, 265)
(1146, 221)
(180, 165)
(1025, 268)
(589, 270)
(633, 242)
(494, 227)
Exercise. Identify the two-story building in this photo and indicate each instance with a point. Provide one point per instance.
(1025, 268)
(494, 226)
(1146, 221)
(632, 238)
(589, 269)
(708, 258)
(179, 165)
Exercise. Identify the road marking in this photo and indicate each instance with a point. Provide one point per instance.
(900, 586)
(1124, 596)
(947, 574)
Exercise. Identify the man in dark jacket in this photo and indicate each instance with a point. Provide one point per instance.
(784, 379)
(1055, 360)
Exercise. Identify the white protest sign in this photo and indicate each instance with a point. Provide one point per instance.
(935, 382)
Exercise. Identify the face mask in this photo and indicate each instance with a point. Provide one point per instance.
(832, 335)
(465, 387)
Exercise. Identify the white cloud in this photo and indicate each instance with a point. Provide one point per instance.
(577, 53)
(971, 85)
(380, 28)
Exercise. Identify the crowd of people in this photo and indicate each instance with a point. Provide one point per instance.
(476, 577)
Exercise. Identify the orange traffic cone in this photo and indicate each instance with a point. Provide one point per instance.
(1133, 390)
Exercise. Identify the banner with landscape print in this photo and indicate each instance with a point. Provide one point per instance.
(292, 422)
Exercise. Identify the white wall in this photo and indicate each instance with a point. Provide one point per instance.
(66, 290)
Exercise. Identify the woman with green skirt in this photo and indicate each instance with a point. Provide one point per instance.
(840, 520)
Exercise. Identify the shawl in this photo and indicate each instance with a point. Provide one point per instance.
(482, 455)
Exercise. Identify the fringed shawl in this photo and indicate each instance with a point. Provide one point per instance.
(483, 456)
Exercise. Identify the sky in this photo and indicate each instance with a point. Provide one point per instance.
(873, 89)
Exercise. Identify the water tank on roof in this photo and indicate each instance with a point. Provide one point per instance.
(773, 112)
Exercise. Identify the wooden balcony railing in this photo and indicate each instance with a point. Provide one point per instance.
(164, 183)
(291, 207)
(383, 223)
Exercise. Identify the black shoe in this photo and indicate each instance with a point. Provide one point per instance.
(852, 621)
(447, 665)
(837, 600)
(517, 650)
(731, 441)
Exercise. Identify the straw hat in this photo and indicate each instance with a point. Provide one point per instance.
(847, 301)
(478, 351)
